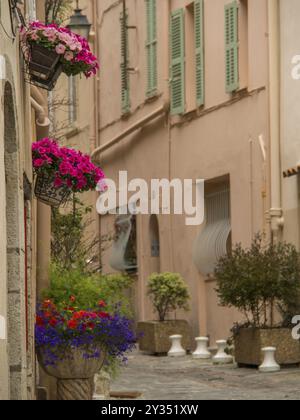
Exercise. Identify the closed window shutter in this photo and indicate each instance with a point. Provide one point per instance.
(232, 47)
(177, 62)
(199, 33)
(125, 93)
(151, 47)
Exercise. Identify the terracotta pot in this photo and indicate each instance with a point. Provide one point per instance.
(48, 194)
(44, 66)
(75, 374)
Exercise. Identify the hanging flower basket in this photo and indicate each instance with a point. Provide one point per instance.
(72, 344)
(60, 171)
(44, 67)
(50, 50)
(47, 193)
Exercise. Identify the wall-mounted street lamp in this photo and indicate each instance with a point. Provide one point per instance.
(79, 23)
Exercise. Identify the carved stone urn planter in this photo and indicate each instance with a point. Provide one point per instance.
(249, 343)
(155, 336)
(75, 374)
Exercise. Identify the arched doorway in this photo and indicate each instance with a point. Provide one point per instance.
(15, 252)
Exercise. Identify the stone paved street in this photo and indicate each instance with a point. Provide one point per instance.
(161, 378)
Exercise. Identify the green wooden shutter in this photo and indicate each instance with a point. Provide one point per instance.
(232, 47)
(151, 46)
(177, 62)
(199, 34)
(125, 85)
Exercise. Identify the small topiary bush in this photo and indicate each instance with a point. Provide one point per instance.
(168, 292)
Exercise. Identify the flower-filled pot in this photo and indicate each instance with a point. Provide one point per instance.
(50, 50)
(44, 66)
(74, 371)
(61, 171)
(72, 345)
(47, 193)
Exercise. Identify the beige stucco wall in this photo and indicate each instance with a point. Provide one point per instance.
(290, 122)
(221, 139)
(4, 385)
(17, 366)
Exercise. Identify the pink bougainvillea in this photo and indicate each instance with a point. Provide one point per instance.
(75, 52)
(67, 167)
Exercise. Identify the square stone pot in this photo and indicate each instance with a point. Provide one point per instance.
(250, 341)
(155, 337)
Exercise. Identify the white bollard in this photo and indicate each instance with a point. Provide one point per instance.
(221, 357)
(202, 349)
(176, 350)
(269, 364)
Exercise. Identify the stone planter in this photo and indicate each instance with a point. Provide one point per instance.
(155, 337)
(75, 374)
(48, 194)
(44, 66)
(250, 342)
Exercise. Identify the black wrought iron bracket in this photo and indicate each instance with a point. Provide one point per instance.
(15, 14)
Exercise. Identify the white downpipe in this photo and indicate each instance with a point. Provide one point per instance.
(40, 106)
(274, 92)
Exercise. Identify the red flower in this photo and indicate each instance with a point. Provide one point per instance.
(79, 315)
(72, 299)
(48, 314)
(102, 304)
(39, 321)
(103, 315)
(91, 325)
(72, 324)
(48, 304)
(53, 322)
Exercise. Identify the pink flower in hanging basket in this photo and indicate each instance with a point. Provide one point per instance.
(67, 167)
(76, 55)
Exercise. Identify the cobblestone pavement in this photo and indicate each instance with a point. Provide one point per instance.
(162, 378)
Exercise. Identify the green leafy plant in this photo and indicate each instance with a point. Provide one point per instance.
(74, 291)
(71, 246)
(258, 280)
(89, 289)
(168, 292)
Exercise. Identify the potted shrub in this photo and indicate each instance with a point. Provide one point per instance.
(60, 171)
(262, 283)
(168, 292)
(77, 334)
(50, 50)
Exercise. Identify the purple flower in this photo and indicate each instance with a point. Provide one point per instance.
(113, 334)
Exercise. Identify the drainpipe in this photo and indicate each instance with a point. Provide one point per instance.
(163, 109)
(276, 213)
(39, 104)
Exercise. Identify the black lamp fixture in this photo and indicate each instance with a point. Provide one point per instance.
(79, 23)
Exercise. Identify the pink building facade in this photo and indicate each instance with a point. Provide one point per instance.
(207, 63)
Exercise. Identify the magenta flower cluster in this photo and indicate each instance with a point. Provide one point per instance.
(75, 52)
(67, 167)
